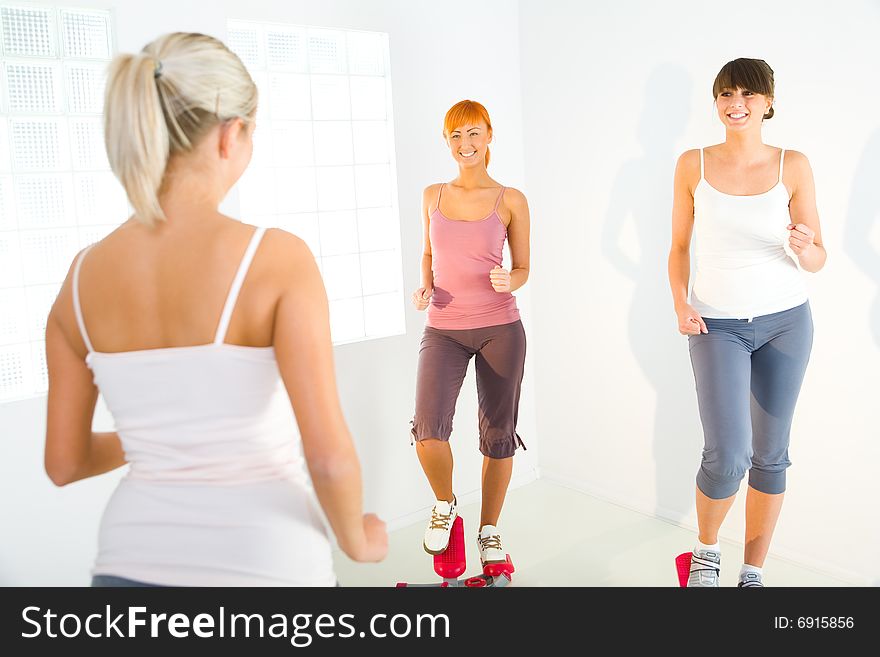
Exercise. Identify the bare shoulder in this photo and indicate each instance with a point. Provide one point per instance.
(515, 199)
(429, 194)
(689, 161)
(64, 300)
(797, 174)
(285, 252)
(111, 246)
(115, 240)
(687, 170)
(285, 243)
(797, 160)
(62, 312)
(431, 190)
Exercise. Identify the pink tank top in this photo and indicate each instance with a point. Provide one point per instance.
(463, 254)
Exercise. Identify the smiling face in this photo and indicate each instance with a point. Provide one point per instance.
(467, 131)
(468, 143)
(740, 108)
(743, 91)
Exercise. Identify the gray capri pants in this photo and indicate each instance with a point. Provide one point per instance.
(443, 361)
(748, 375)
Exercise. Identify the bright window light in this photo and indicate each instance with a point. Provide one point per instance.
(57, 193)
(323, 166)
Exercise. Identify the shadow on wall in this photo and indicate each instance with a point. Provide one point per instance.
(642, 193)
(862, 216)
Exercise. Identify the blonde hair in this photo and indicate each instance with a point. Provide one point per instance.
(463, 112)
(162, 101)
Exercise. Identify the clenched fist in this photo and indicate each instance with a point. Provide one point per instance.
(422, 297)
(500, 279)
(689, 321)
(800, 237)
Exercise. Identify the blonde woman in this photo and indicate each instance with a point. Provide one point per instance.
(194, 326)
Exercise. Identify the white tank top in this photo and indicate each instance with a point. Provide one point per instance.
(742, 269)
(217, 492)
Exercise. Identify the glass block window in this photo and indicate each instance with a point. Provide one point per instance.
(323, 166)
(57, 194)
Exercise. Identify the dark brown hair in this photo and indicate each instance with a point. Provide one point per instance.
(744, 73)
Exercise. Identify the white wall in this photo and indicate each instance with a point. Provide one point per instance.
(48, 536)
(613, 93)
(610, 95)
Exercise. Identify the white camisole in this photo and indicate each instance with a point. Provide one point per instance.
(217, 493)
(742, 269)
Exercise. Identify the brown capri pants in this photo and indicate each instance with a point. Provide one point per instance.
(443, 360)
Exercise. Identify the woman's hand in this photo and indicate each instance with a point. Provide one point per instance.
(800, 237)
(500, 279)
(421, 298)
(689, 321)
(376, 545)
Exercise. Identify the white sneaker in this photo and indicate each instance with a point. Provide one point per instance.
(437, 534)
(705, 568)
(489, 541)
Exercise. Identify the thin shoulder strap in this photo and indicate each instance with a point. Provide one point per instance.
(232, 297)
(781, 162)
(498, 200)
(76, 307)
(702, 171)
(439, 192)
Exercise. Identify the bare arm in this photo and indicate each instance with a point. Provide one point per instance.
(421, 298)
(427, 277)
(73, 451)
(682, 229)
(305, 358)
(686, 177)
(518, 235)
(806, 236)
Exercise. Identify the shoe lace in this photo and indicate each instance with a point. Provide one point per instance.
(488, 542)
(440, 520)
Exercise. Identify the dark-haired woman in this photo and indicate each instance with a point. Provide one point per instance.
(747, 319)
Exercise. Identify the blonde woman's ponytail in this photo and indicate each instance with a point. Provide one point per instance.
(135, 132)
(161, 102)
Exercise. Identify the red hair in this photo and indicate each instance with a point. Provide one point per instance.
(466, 112)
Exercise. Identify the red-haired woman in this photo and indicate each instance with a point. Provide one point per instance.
(471, 312)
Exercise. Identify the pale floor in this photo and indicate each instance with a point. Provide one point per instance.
(603, 545)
